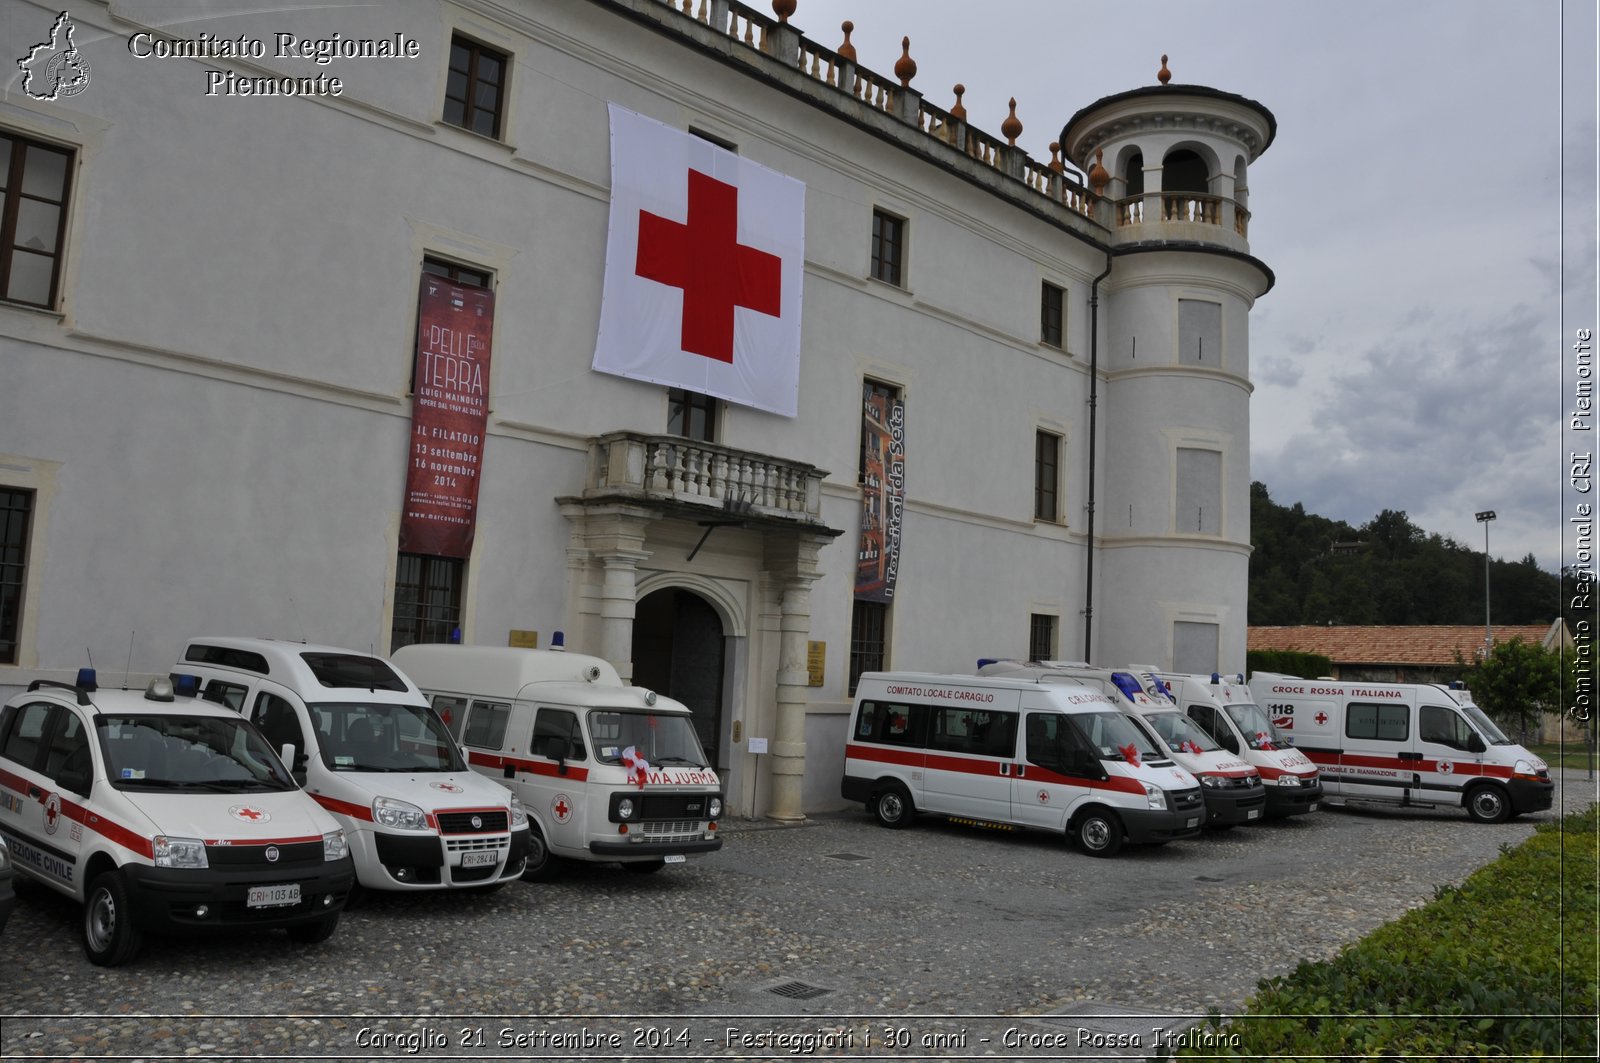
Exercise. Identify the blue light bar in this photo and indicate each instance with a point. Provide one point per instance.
(86, 680)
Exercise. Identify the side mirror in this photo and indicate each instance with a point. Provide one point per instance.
(295, 762)
(1475, 743)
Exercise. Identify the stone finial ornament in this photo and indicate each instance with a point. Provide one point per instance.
(905, 68)
(1098, 177)
(1055, 158)
(847, 50)
(958, 110)
(1011, 128)
(1164, 75)
(783, 9)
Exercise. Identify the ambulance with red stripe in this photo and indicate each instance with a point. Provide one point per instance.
(607, 771)
(362, 740)
(165, 814)
(1013, 752)
(1231, 787)
(1407, 744)
(1221, 705)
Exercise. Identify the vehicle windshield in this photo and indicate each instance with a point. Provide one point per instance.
(215, 754)
(1486, 726)
(383, 736)
(1110, 734)
(1256, 726)
(659, 738)
(1180, 733)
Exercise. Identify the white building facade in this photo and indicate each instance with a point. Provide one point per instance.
(208, 332)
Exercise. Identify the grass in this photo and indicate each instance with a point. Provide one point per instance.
(1508, 964)
(1576, 756)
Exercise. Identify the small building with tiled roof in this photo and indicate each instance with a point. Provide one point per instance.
(1401, 653)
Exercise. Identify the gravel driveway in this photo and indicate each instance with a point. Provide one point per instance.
(838, 927)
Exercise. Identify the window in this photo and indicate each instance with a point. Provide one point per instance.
(1385, 723)
(16, 516)
(25, 740)
(1199, 474)
(691, 415)
(279, 724)
(1046, 476)
(888, 247)
(34, 179)
(893, 725)
(1199, 333)
(486, 724)
(457, 274)
(868, 632)
(1041, 637)
(229, 694)
(552, 725)
(451, 710)
(1194, 646)
(1050, 311)
(475, 94)
(871, 467)
(427, 600)
(1443, 726)
(978, 732)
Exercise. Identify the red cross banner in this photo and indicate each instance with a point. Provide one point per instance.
(703, 267)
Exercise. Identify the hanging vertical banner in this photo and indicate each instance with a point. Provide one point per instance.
(704, 260)
(449, 410)
(883, 495)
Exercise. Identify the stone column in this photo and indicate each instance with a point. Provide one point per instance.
(613, 534)
(792, 560)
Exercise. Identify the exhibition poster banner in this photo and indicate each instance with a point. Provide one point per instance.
(883, 494)
(450, 408)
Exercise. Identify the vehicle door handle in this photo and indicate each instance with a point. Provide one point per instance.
(34, 791)
(1005, 769)
(1022, 769)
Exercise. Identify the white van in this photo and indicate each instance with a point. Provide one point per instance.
(1409, 744)
(363, 742)
(1232, 788)
(608, 772)
(1051, 755)
(1222, 706)
(162, 814)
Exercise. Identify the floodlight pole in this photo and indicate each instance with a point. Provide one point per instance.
(1488, 633)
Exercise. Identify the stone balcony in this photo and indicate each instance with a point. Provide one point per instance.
(690, 478)
(1180, 216)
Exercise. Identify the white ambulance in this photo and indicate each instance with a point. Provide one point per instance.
(1232, 788)
(1222, 706)
(608, 771)
(1013, 752)
(162, 814)
(1407, 744)
(367, 748)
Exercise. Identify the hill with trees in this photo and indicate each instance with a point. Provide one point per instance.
(1307, 569)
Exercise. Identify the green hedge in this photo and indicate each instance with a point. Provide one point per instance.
(1287, 662)
(1484, 970)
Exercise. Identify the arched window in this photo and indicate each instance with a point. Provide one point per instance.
(1185, 171)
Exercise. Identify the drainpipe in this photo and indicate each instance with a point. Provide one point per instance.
(1094, 401)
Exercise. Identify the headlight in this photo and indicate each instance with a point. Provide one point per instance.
(179, 852)
(334, 846)
(1213, 782)
(402, 815)
(714, 809)
(1291, 780)
(625, 808)
(519, 815)
(1155, 796)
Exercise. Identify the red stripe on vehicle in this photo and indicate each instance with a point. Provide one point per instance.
(72, 810)
(986, 767)
(531, 767)
(344, 808)
(245, 843)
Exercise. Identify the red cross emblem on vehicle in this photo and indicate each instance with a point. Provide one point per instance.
(561, 809)
(703, 256)
(52, 814)
(1321, 717)
(1044, 797)
(248, 814)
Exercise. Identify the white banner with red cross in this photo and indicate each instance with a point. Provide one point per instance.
(703, 268)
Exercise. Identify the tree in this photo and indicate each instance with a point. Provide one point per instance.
(1515, 681)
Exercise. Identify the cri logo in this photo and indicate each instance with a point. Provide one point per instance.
(52, 813)
(562, 808)
(248, 814)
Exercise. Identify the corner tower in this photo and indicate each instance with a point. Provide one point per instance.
(1169, 563)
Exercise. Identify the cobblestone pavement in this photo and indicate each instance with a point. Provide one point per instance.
(837, 930)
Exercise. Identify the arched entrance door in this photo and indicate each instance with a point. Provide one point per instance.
(678, 651)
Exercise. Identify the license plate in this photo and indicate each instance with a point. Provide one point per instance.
(1313, 806)
(675, 858)
(1253, 813)
(273, 896)
(1193, 822)
(487, 858)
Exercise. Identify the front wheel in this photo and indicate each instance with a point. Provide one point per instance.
(892, 807)
(110, 937)
(1099, 833)
(317, 930)
(541, 863)
(1488, 804)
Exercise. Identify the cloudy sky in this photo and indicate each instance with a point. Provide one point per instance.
(1426, 239)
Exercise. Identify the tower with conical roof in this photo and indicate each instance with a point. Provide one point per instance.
(1169, 560)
